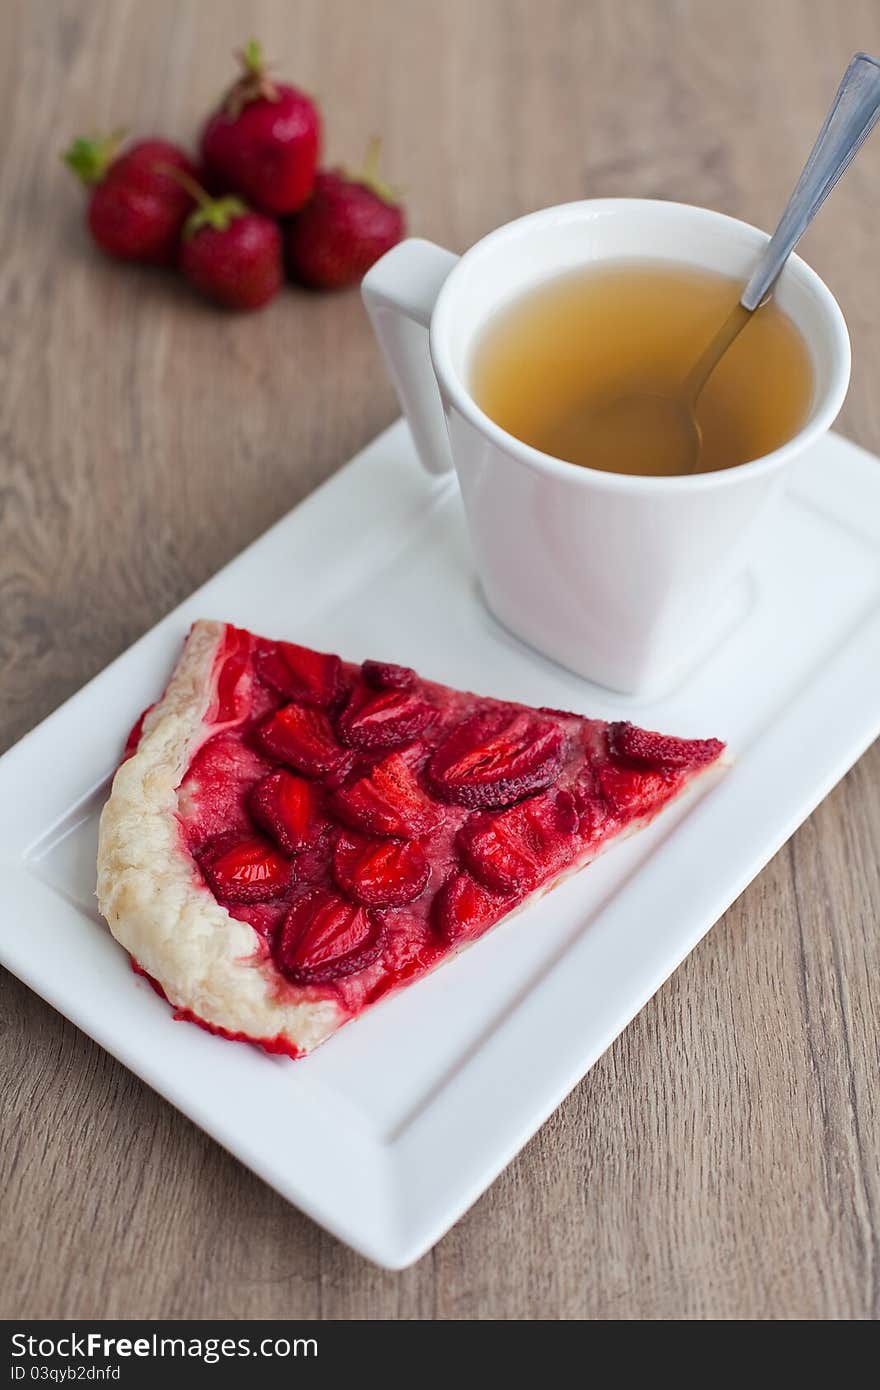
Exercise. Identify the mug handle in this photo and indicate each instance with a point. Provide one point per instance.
(400, 292)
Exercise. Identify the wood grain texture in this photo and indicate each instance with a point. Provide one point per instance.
(721, 1160)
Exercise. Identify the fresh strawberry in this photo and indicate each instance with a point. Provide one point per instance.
(347, 224)
(497, 756)
(661, 751)
(136, 208)
(325, 938)
(311, 678)
(289, 807)
(516, 850)
(383, 718)
(464, 908)
(632, 792)
(380, 873)
(389, 801)
(246, 871)
(385, 675)
(229, 253)
(304, 738)
(264, 140)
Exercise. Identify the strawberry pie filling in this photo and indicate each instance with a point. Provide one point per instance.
(366, 823)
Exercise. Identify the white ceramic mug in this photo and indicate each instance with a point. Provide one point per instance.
(616, 577)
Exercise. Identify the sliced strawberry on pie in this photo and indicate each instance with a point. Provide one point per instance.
(311, 678)
(625, 789)
(385, 675)
(246, 871)
(383, 718)
(500, 754)
(326, 938)
(380, 873)
(660, 752)
(213, 795)
(389, 799)
(292, 836)
(465, 908)
(290, 808)
(303, 738)
(515, 850)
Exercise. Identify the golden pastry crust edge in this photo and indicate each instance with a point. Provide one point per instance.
(150, 891)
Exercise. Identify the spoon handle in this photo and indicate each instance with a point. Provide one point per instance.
(850, 120)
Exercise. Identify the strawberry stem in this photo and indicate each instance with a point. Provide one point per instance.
(254, 82)
(252, 58)
(90, 156)
(371, 162)
(192, 186)
(369, 175)
(209, 212)
(216, 213)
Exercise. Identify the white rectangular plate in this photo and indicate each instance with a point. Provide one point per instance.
(392, 1129)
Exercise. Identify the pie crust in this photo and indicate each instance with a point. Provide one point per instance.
(218, 965)
(211, 967)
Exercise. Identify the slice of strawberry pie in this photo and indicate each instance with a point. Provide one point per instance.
(291, 836)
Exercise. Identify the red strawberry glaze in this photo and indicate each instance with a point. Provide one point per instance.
(587, 781)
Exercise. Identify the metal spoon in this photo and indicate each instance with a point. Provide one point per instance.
(665, 429)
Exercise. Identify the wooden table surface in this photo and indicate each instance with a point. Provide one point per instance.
(720, 1161)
